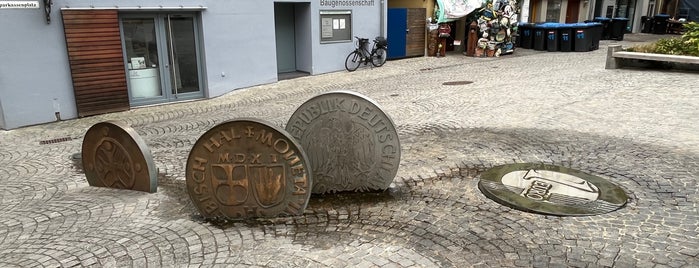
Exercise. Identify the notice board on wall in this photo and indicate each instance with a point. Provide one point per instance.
(335, 26)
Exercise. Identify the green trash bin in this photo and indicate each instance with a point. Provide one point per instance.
(582, 37)
(526, 30)
(618, 28)
(565, 37)
(596, 32)
(539, 37)
(660, 23)
(551, 31)
(606, 30)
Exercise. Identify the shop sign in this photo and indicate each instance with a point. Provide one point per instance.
(18, 4)
(347, 3)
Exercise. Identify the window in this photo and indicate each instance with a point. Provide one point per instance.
(553, 10)
(335, 26)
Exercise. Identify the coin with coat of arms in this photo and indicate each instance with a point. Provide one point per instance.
(115, 156)
(247, 168)
(352, 144)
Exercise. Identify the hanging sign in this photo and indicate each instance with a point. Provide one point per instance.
(18, 4)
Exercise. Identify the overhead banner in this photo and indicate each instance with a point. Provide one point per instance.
(451, 10)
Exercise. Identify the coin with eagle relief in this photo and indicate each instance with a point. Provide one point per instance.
(351, 142)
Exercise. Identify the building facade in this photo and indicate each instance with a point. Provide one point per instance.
(66, 59)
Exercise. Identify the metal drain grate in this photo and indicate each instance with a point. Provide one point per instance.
(57, 140)
(456, 83)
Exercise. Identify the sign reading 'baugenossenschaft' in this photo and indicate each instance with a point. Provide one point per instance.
(346, 3)
(18, 4)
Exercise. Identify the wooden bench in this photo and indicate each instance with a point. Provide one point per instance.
(615, 57)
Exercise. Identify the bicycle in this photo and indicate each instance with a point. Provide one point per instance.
(360, 55)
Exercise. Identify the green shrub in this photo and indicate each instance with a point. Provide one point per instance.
(645, 48)
(688, 44)
(691, 38)
(672, 46)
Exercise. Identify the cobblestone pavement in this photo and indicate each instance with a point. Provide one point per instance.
(636, 128)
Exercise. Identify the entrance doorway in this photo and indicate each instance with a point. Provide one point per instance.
(573, 11)
(292, 22)
(162, 57)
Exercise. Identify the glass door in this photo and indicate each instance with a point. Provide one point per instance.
(141, 48)
(162, 57)
(182, 52)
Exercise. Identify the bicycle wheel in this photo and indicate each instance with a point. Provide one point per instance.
(353, 60)
(379, 58)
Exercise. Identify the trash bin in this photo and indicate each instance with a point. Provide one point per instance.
(526, 30)
(582, 37)
(647, 23)
(660, 23)
(605, 26)
(618, 28)
(551, 31)
(539, 42)
(565, 37)
(595, 31)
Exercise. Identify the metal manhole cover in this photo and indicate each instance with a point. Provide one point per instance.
(551, 190)
(457, 83)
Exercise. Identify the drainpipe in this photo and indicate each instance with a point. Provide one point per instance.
(382, 18)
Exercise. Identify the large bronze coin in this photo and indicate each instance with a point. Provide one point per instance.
(115, 156)
(551, 190)
(248, 168)
(352, 144)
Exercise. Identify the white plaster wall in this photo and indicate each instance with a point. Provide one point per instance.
(35, 80)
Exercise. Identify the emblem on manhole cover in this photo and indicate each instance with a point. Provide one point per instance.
(247, 168)
(352, 144)
(549, 189)
(115, 156)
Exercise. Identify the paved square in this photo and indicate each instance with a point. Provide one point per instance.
(637, 129)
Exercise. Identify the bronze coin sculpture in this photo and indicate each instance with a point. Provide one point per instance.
(551, 190)
(247, 168)
(352, 144)
(115, 156)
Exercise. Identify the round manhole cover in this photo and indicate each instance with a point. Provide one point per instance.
(552, 190)
(457, 83)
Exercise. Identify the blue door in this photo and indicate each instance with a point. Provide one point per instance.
(396, 35)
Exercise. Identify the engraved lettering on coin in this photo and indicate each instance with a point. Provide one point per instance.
(247, 168)
(114, 156)
(541, 184)
(352, 144)
(549, 189)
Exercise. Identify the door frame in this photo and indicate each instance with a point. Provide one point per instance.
(164, 60)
